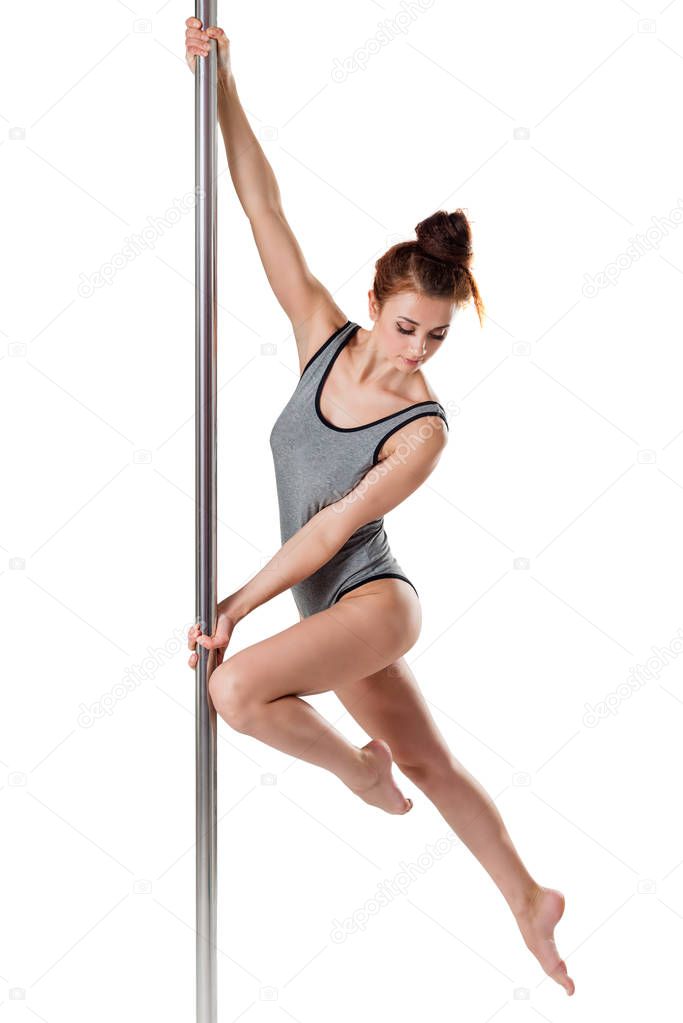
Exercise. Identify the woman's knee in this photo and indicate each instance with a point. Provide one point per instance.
(229, 691)
(428, 770)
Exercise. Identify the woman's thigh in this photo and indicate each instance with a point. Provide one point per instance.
(365, 630)
(389, 705)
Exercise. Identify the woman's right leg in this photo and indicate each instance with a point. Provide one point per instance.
(389, 705)
(259, 689)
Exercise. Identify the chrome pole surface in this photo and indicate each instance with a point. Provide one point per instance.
(205, 524)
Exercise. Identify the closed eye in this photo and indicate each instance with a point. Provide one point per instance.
(437, 337)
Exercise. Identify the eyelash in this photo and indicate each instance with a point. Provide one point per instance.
(435, 336)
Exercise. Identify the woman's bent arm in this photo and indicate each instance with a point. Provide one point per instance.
(304, 553)
(382, 488)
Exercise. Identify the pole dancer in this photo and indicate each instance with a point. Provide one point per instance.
(360, 433)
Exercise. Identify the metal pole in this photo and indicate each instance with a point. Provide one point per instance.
(205, 525)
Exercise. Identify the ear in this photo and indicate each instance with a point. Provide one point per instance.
(373, 308)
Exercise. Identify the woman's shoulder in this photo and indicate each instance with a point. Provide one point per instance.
(420, 390)
(313, 334)
(424, 391)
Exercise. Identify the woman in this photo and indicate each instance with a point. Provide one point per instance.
(361, 432)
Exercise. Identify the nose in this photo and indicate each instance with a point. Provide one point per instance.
(419, 354)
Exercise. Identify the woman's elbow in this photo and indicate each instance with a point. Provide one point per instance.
(336, 527)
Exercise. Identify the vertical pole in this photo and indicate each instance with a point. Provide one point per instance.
(205, 525)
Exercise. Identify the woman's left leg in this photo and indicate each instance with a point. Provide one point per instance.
(390, 706)
(258, 689)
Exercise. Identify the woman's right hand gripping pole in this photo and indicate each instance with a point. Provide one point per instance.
(198, 44)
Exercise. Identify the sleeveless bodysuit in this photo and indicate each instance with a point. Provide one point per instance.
(317, 464)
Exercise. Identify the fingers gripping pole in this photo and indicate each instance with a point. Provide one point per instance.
(205, 526)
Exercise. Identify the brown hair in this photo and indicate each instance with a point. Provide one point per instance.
(436, 263)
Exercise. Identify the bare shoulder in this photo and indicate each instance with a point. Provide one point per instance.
(312, 333)
(423, 390)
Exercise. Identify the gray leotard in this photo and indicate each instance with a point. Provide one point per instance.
(317, 463)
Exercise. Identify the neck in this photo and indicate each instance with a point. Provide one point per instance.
(371, 366)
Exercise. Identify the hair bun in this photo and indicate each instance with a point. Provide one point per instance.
(446, 237)
(436, 264)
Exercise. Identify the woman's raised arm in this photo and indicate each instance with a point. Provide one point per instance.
(310, 307)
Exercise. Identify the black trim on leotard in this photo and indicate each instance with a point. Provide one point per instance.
(324, 346)
(375, 422)
(380, 575)
(419, 415)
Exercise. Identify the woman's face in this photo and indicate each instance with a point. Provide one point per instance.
(410, 328)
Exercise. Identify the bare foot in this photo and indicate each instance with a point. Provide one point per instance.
(382, 790)
(537, 923)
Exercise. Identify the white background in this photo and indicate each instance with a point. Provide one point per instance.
(557, 128)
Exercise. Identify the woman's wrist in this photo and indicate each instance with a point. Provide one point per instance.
(225, 81)
(234, 606)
